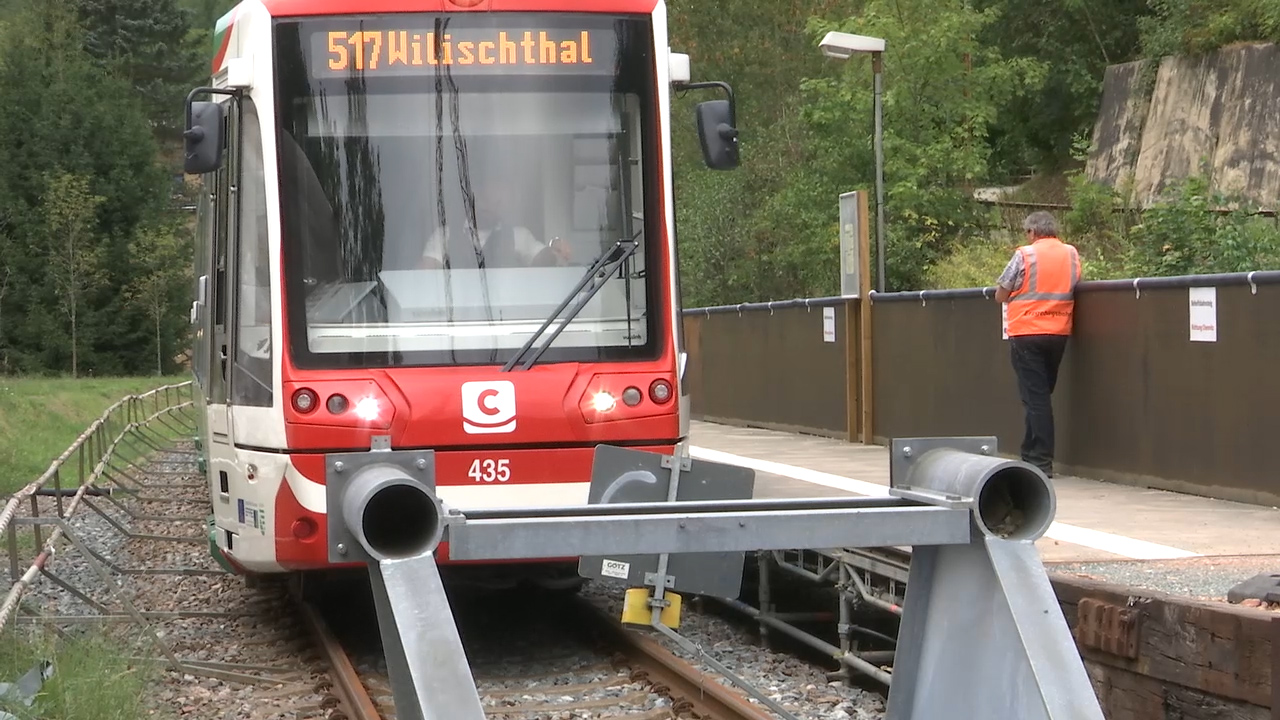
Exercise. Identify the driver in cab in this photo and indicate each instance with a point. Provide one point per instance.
(499, 242)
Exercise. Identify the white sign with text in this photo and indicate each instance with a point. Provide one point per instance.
(1203, 314)
(828, 324)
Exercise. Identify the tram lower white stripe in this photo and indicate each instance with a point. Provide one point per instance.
(499, 496)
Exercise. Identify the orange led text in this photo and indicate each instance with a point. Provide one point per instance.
(379, 49)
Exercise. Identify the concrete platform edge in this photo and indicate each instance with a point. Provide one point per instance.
(1183, 487)
(1115, 477)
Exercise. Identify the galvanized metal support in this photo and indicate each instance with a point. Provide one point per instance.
(982, 636)
(430, 678)
(384, 510)
(984, 616)
(1003, 627)
(658, 602)
(764, 561)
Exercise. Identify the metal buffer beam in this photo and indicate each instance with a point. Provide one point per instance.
(384, 511)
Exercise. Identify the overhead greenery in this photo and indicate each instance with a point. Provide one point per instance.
(95, 247)
(976, 93)
(80, 176)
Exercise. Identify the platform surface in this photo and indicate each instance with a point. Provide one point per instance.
(1097, 522)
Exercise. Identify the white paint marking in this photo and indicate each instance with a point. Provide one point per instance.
(1117, 544)
(861, 487)
(1096, 539)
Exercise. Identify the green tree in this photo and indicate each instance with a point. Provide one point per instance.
(7, 251)
(205, 13)
(1076, 40)
(149, 42)
(69, 208)
(164, 272)
(1200, 26)
(64, 111)
(730, 245)
(943, 90)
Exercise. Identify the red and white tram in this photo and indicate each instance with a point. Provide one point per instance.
(402, 202)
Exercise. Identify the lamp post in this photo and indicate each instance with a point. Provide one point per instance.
(843, 46)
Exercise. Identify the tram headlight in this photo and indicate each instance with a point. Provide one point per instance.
(351, 404)
(304, 400)
(603, 402)
(337, 404)
(660, 391)
(368, 409)
(625, 397)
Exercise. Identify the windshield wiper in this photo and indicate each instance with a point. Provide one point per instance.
(599, 273)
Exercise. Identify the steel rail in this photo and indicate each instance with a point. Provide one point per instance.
(683, 681)
(346, 681)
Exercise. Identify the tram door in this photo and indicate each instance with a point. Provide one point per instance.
(219, 284)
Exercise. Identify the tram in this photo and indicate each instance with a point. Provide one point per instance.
(434, 224)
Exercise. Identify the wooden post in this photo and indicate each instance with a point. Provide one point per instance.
(857, 315)
(864, 318)
(853, 370)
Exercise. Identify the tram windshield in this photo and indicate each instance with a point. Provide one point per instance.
(439, 212)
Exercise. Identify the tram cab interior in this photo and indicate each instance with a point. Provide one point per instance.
(369, 203)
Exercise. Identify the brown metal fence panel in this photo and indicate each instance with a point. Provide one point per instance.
(939, 367)
(692, 382)
(1153, 406)
(1137, 400)
(768, 367)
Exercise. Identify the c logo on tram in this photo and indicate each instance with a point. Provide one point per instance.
(489, 407)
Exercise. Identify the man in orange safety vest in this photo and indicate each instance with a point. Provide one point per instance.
(1039, 286)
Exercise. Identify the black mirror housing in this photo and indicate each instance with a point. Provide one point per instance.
(717, 126)
(204, 138)
(718, 135)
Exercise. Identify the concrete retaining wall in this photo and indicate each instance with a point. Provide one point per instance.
(1220, 111)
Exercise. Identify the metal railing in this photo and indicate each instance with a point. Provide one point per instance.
(128, 431)
(136, 469)
(1252, 279)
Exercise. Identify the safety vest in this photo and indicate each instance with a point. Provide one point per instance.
(1043, 305)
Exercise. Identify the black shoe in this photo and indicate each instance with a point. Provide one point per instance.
(1046, 469)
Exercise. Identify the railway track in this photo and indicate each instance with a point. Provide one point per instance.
(133, 560)
(563, 658)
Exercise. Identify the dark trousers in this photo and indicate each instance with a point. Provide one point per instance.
(1035, 361)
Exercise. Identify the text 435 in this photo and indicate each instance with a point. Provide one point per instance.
(490, 470)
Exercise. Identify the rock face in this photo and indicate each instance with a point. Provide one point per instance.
(1219, 112)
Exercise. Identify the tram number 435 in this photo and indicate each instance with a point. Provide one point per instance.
(490, 470)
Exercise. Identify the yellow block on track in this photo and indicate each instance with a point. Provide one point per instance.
(636, 610)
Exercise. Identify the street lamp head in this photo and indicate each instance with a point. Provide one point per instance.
(842, 46)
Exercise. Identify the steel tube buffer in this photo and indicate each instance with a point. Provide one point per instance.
(982, 635)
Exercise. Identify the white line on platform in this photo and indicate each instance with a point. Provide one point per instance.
(1096, 539)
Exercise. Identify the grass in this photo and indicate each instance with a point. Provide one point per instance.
(41, 417)
(91, 680)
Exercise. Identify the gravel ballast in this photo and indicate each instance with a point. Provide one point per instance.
(251, 632)
(799, 686)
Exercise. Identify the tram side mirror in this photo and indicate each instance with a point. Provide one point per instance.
(718, 135)
(203, 138)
